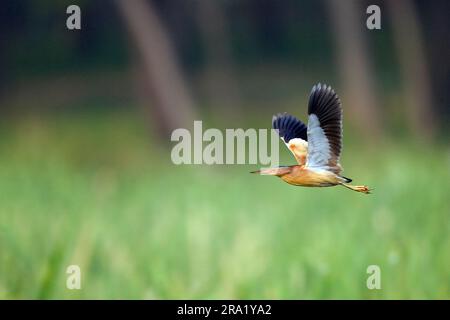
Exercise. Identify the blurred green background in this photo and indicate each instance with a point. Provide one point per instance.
(86, 176)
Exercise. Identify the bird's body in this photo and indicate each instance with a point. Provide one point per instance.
(316, 147)
(307, 177)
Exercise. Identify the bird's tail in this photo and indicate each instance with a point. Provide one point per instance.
(363, 189)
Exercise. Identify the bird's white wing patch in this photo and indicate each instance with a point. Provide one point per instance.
(318, 146)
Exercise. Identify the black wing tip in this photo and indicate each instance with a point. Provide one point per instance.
(289, 127)
(322, 96)
(278, 120)
(322, 87)
(276, 117)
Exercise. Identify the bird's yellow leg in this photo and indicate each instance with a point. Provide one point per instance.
(363, 189)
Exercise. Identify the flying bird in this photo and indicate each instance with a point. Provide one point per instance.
(316, 147)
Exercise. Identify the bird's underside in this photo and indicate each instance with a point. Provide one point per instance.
(316, 147)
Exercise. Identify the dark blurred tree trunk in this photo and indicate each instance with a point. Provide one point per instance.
(167, 94)
(420, 109)
(439, 63)
(354, 66)
(220, 71)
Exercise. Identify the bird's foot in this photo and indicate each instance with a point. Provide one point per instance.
(363, 189)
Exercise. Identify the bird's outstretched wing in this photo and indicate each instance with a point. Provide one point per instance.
(293, 133)
(324, 129)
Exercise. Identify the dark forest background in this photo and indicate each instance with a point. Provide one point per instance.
(229, 54)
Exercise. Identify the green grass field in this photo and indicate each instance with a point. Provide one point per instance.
(97, 193)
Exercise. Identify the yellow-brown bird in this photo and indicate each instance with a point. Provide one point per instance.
(316, 147)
